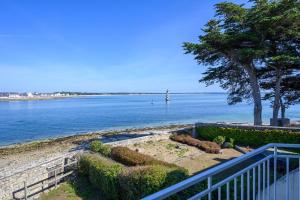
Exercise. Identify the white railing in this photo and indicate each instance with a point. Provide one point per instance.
(257, 180)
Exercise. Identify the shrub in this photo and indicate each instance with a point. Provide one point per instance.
(97, 146)
(129, 157)
(251, 137)
(231, 143)
(103, 174)
(207, 146)
(138, 182)
(84, 164)
(219, 140)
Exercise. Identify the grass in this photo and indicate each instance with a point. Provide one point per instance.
(171, 146)
(174, 147)
(79, 189)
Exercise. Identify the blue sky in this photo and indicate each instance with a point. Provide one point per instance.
(101, 46)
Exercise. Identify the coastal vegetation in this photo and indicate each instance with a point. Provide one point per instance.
(207, 146)
(253, 49)
(249, 137)
(129, 157)
(113, 179)
(126, 173)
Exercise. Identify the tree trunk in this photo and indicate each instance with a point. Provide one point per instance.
(282, 106)
(255, 94)
(277, 96)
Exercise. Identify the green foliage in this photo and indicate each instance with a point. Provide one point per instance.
(231, 143)
(249, 137)
(219, 140)
(252, 48)
(138, 182)
(129, 157)
(207, 146)
(97, 146)
(102, 173)
(84, 164)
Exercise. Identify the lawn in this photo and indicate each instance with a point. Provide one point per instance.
(79, 189)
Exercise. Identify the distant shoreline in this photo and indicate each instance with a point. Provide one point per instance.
(32, 98)
(97, 94)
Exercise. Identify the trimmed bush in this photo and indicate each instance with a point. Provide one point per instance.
(207, 146)
(251, 137)
(219, 140)
(103, 174)
(84, 163)
(138, 182)
(97, 146)
(129, 157)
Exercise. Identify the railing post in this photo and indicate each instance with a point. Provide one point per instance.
(287, 178)
(299, 178)
(275, 171)
(25, 190)
(209, 183)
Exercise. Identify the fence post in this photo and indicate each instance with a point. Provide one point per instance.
(55, 176)
(25, 190)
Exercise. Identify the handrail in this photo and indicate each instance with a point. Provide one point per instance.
(215, 170)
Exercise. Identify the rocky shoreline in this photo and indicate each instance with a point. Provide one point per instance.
(79, 139)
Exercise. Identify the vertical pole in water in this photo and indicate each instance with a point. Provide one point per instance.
(25, 190)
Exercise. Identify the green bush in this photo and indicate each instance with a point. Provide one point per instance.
(84, 163)
(97, 146)
(231, 143)
(138, 182)
(103, 174)
(219, 140)
(129, 157)
(249, 137)
(207, 146)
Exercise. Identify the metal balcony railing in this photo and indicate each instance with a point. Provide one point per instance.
(270, 172)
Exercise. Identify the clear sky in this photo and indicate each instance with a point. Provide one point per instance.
(101, 46)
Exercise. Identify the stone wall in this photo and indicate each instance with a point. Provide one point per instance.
(12, 180)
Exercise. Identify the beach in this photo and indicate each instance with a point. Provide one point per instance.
(21, 154)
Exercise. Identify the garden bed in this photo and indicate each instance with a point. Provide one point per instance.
(183, 155)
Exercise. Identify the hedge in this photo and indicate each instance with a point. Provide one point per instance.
(129, 157)
(138, 182)
(103, 174)
(207, 146)
(97, 146)
(249, 137)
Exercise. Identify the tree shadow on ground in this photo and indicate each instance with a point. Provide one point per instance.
(85, 190)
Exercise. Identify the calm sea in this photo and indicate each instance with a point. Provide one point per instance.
(32, 120)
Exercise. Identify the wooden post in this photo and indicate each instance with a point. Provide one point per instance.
(55, 175)
(25, 190)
